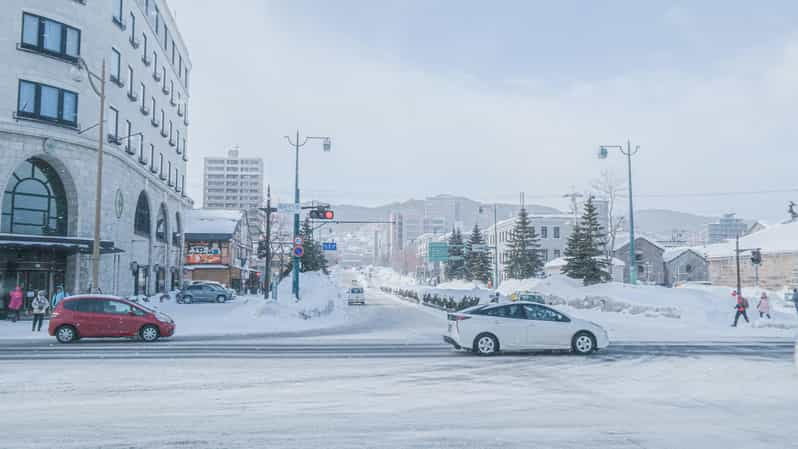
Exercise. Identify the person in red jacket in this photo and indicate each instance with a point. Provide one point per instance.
(16, 303)
(740, 307)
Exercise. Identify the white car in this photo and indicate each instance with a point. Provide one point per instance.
(356, 295)
(522, 326)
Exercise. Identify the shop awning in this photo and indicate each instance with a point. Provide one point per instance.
(65, 244)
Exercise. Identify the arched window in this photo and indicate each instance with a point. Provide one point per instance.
(176, 237)
(141, 225)
(34, 201)
(161, 225)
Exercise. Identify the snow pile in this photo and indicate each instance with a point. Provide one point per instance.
(461, 285)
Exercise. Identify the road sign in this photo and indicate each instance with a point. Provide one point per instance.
(299, 251)
(329, 246)
(438, 251)
(299, 241)
(289, 208)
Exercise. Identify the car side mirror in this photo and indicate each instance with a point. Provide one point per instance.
(132, 313)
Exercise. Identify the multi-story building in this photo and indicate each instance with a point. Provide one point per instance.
(233, 182)
(727, 227)
(49, 140)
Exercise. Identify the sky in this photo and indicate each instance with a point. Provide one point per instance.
(488, 99)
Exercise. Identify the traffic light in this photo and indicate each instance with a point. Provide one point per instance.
(756, 257)
(322, 213)
(261, 248)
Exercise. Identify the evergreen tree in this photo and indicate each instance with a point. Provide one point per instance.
(313, 259)
(455, 268)
(523, 250)
(477, 257)
(583, 254)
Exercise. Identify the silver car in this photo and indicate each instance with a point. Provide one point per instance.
(203, 293)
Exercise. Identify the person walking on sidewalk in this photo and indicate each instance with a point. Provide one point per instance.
(40, 305)
(741, 307)
(58, 296)
(764, 306)
(16, 303)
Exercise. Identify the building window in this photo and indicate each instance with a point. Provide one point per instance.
(161, 225)
(142, 160)
(171, 134)
(556, 253)
(163, 124)
(152, 158)
(146, 53)
(141, 223)
(165, 37)
(544, 255)
(174, 60)
(50, 37)
(43, 102)
(155, 74)
(176, 236)
(556, 231)
(118, 14)
(143, 94)
(116, 66)
(160, 167)
(177, 141)
(163, 77)
(34, 201)
(169, 171)
(130, 92)
(133, 40)
(113, 125)
(544, 232)
(172, 92)
(129, 129)
(157, 21)
(180, 66)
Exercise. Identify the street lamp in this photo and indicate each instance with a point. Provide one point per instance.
(326, 145)
(77, 72)
(602, 154)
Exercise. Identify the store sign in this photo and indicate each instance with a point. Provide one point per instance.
(203, 253)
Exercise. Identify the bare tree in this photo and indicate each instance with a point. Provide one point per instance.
(610, 187)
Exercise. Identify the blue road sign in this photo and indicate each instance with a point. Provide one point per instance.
(329, 246)
(299, 251)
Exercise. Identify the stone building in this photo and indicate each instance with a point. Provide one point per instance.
(648, 259)
(684, 265)
(49, 142)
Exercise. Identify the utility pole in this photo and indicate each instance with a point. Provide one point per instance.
(267, 284)
(737, 260)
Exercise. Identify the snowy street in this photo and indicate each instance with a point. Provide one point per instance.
(382, 375)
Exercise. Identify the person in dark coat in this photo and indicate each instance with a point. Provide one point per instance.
(740, 307)
(795, 298)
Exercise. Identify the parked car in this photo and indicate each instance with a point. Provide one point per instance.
(203, 292)
(522, 326)
(218, 284)
(356, 295)
(94, 316)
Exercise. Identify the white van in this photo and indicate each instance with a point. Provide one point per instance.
(356, 295)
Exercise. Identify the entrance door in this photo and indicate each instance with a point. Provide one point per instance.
(32, 282)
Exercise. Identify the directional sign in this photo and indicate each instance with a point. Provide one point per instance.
(289, 208)
(299, 241)
(329, 246)
(438, 251)
(299, 251)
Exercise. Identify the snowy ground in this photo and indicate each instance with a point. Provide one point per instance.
(465, 402)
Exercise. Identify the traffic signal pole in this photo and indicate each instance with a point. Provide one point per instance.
(268, 278)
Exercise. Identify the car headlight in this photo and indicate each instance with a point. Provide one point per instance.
(163, 317)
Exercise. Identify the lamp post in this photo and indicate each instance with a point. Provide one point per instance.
(602, 154)
(81, 66)
(297, 205)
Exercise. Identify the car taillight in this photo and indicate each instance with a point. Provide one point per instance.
(453, 317)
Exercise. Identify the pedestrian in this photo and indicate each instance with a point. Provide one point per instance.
(40, 305)
(16, 303)
(741, 307)
(764, 306)
(58, 296)
(795, 298)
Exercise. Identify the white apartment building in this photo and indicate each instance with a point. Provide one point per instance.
(49, 143)
(232, 182)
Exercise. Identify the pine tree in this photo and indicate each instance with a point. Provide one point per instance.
(477, 258)
(313, 259)
(583, 254)
(455, 267)
(523, 250)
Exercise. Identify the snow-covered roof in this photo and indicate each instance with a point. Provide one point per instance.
(622, 239)
(212, 221)
(780, 238)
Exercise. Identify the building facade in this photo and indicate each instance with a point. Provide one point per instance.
(219, 247)
(49, 141)
(684, 265)
(233, 183)
(649, 261)
(727, 227)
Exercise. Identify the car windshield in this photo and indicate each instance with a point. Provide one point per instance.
(356, 291)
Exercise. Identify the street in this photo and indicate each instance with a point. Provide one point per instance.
(387, 381)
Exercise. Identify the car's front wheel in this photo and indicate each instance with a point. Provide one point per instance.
(220, 299)
(583, 343)
(486, 344)
(66, 334)
(187, 300)
(149, 333)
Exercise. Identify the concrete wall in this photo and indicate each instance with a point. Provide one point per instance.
(775, 272)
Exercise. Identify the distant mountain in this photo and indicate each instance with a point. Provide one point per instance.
(662, 223)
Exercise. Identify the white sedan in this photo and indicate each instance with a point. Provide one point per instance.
(522, 326)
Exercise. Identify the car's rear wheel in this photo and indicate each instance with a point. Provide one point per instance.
(66, 334)
(149, 333)
(486, 344)
(220, 298)
(583, 343)
(187, 300)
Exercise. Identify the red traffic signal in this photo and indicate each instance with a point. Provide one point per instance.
(322, 214)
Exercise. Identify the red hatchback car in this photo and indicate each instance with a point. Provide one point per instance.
(93, 316)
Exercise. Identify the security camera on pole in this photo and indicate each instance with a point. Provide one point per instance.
(298, 250)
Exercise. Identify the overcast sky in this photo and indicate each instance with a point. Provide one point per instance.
(486, 99)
